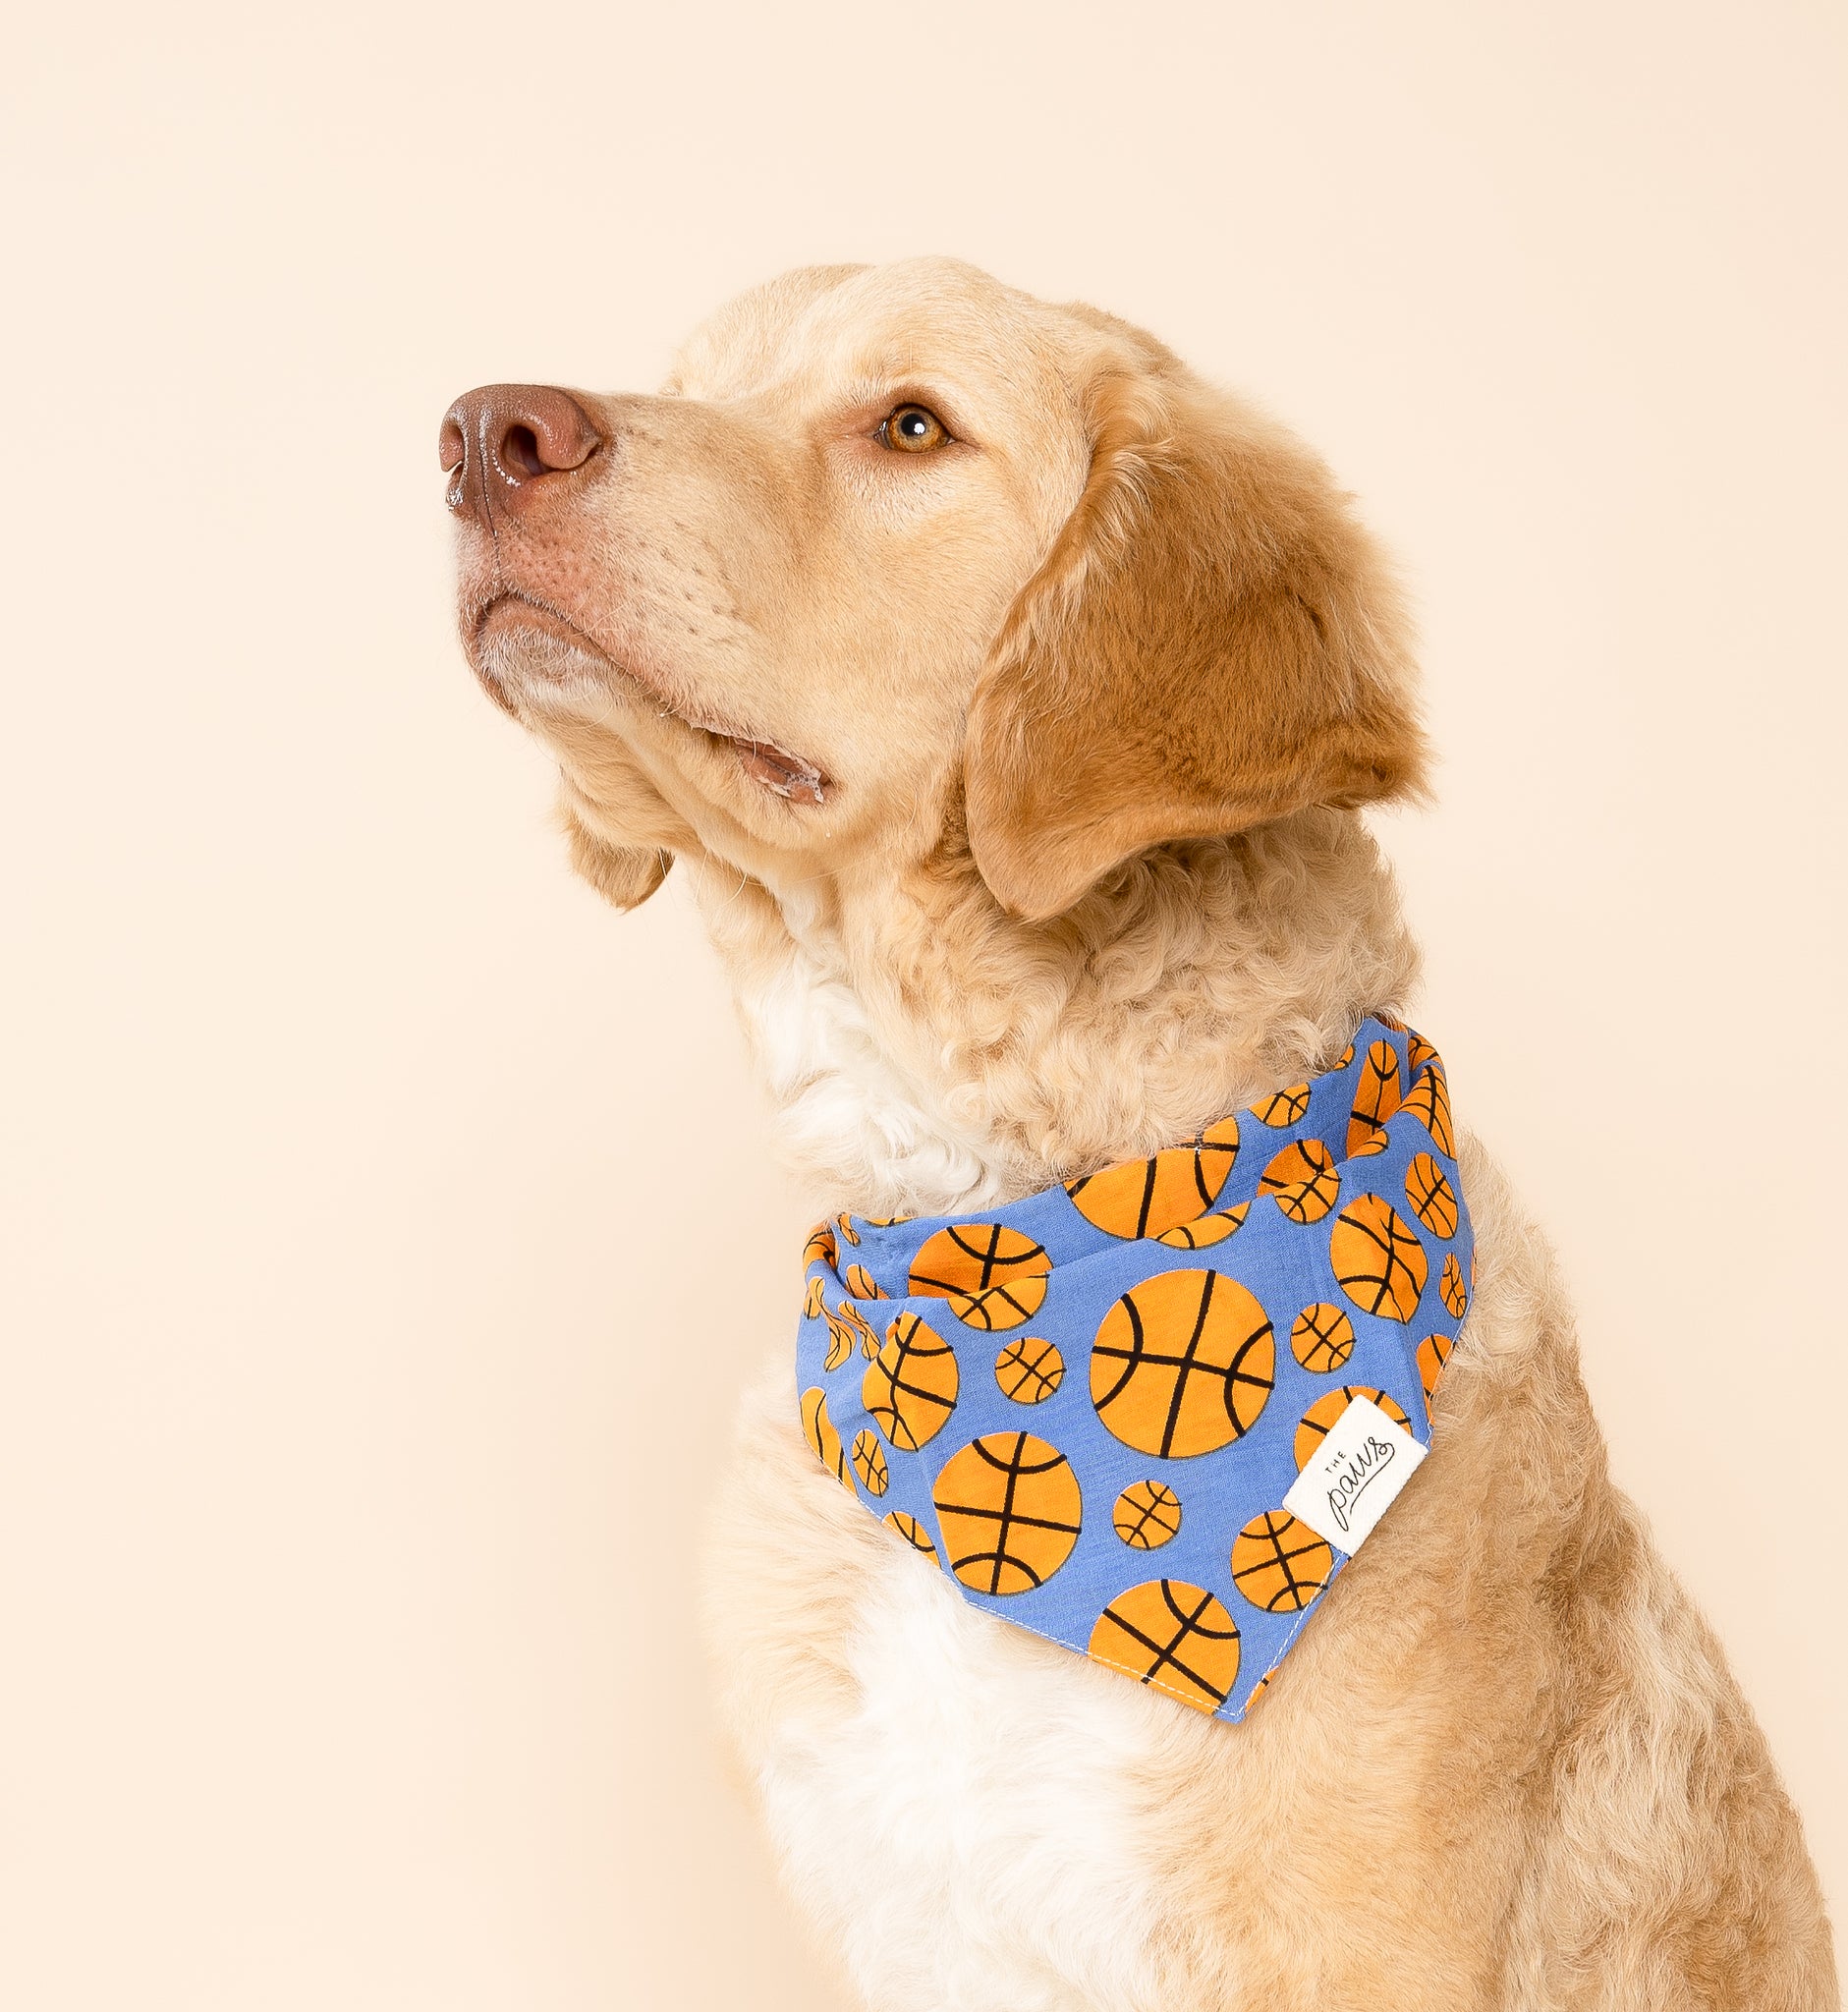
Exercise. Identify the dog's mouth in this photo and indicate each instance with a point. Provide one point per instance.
(560, 662)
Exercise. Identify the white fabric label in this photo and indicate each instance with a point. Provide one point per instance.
(1354, 1477)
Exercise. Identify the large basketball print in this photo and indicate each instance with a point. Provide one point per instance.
(1010, 1510)
(1378, 1261)
(1176, 1637)
(910, 1386)
(1144, 1198)
(993, 1277)
(1183, 1364)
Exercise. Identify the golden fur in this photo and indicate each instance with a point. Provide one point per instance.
(1016, 782)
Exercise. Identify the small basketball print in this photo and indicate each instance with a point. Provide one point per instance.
(1029, 1369)
(1418, 1051)
(1321, 1338)
(1319, 1419)
(824, 1442)
(841, 1340)
(1451, 1289)
(1147, 1515)
(845, 1224)
(1430, 1103)
(1280, 1564)
(1376, 1096)
(869, 1462)
(1010, 1511)
(993, 1277)
(1433, 1352)
(848, 1329)
(1283, 1108)
(912, 1531)
(862, 1327)
(820, 1245)
(1174, 1636)
(1144, 1198)
(861, 1284)
(1305, 1180)
(812, 1304)
(1183, 1364)
(1434, 1201)
(911, 1386)
(1378, 1261)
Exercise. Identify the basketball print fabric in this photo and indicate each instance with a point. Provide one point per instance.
(1085, 1407)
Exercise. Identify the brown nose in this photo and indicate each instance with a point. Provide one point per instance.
(501, 444)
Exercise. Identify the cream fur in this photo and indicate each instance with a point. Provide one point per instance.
(1506, 1767)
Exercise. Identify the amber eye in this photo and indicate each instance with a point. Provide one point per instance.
(913, 429)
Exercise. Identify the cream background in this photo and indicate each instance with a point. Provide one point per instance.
(387, 1224)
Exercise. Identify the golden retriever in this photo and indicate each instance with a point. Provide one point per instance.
(1009, 697)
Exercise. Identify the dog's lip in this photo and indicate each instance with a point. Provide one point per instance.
(779, 769)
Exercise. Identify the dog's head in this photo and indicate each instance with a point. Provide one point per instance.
(901, 558)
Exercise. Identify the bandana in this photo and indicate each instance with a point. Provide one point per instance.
(1150, 1413)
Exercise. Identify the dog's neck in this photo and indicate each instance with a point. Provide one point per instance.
(924, 1053)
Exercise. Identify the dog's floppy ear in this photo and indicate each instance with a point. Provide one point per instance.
(1213, 641)
(625, 876)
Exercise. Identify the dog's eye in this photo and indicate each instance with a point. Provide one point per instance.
(913, 429)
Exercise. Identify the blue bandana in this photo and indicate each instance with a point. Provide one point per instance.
(1088, 1406)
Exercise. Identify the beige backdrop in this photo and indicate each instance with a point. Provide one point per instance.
(365, 1354)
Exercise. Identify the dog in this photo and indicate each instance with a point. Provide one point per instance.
(1010, 699)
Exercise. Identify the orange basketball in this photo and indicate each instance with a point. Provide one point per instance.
(1377, 1095)
(1451, 1289)
(1141, 1198)
(1378, 1261)
(820, 1245)
(869, 1462)
(1305, 1180)
(1283, 1107)
(912, 1531)
(811, 1302)
(1206, 1230)
(1391, 1020)
(861, 1283)
(1418, 1051)
(1433, 1352)
(845, 1224)
(1010, 1511)
(1430, 1103)
(824, 1442)
(1173, 1636)
(1367, 1140)
(1434, 1201)
(1321, 1338)
(1029, 1371)
(910, 1386)
(993, 1277)
(1319, 1419)
(1181, 1363)
(857, 1321)
(1280, 1564)
(841, 1339)
(1147, 1515)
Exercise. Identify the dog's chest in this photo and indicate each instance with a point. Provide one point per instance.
(964, 1826)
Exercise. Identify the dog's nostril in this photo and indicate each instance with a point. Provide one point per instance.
(451, 447)
(519, 451)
